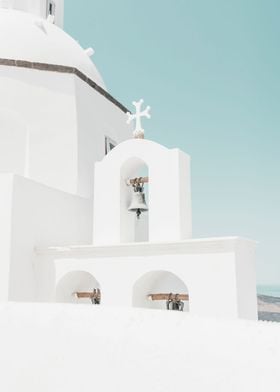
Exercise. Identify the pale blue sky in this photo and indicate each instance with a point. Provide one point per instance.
(210, 71)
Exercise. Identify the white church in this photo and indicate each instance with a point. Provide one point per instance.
(91, 210)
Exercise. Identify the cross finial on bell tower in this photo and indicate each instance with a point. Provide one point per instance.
(138, 131)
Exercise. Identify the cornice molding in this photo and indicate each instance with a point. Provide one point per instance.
(66, 70)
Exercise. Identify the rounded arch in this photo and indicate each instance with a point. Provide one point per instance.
(169, 193)
(74, 282)
(158, 282)
(145, 150)
(132, 166)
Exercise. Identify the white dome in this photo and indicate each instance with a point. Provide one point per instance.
(26, 37)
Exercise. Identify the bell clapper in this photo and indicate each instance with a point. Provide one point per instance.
(138, 213)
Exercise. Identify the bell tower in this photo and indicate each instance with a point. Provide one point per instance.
(169, 193)
(168, 176)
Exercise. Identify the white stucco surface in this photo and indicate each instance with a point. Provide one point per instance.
(80, 348)
(31, 213)
(65, 221)
(6, 205)
(24, 36)
(58, 143)
(169, 193)
(96, 118)
(218, 273)
(36, 7)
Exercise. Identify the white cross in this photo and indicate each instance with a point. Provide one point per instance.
(138, 131)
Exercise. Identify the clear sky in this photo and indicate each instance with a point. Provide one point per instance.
(211, 72)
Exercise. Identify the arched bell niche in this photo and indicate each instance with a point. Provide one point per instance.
(153, 290)
(78, 287)
(133, 228)
(168, 193)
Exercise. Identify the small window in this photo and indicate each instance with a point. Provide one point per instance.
(50, 7)
(109, 144)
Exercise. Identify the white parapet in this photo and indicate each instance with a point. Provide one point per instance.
(218, 274)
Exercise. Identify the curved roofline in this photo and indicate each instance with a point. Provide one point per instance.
(138, 148)
(63, 69)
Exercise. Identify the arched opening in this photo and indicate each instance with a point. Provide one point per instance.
(154, 289)
(78, 287)
(134, 228)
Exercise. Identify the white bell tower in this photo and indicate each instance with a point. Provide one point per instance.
(53, 9)
(169, 193)
(169, 190)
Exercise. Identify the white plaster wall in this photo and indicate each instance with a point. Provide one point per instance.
(6, 199)
(217, 273)
(32, 6)
(246, 281)
(169, 201)
(53, 128)
(27, 38)
(142, 224)
(36, 7)
(210, 279)
(42, 216)
(14, 135)
(96, 118)
(44, 111)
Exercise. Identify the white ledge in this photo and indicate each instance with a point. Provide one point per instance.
(192, 246)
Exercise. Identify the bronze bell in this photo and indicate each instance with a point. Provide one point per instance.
(174, 303)
(138, 202)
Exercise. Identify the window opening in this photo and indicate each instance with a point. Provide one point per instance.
(50, 8)
(109, 144)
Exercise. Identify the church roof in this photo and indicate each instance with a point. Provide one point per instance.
(26, 37)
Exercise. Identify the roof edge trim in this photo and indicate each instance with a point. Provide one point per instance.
(63, 69)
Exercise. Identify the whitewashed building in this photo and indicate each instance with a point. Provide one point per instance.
(68, 160)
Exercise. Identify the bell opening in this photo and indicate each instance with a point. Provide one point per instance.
(134, 202)
(138, 201)
(78, 287)
(161, 290)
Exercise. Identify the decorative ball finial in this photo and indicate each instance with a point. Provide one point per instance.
(138, 132)
(89, 52)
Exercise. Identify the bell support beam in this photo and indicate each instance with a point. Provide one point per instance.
(85, 294)
(139, 180)
(168, 296)
(153, 297)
